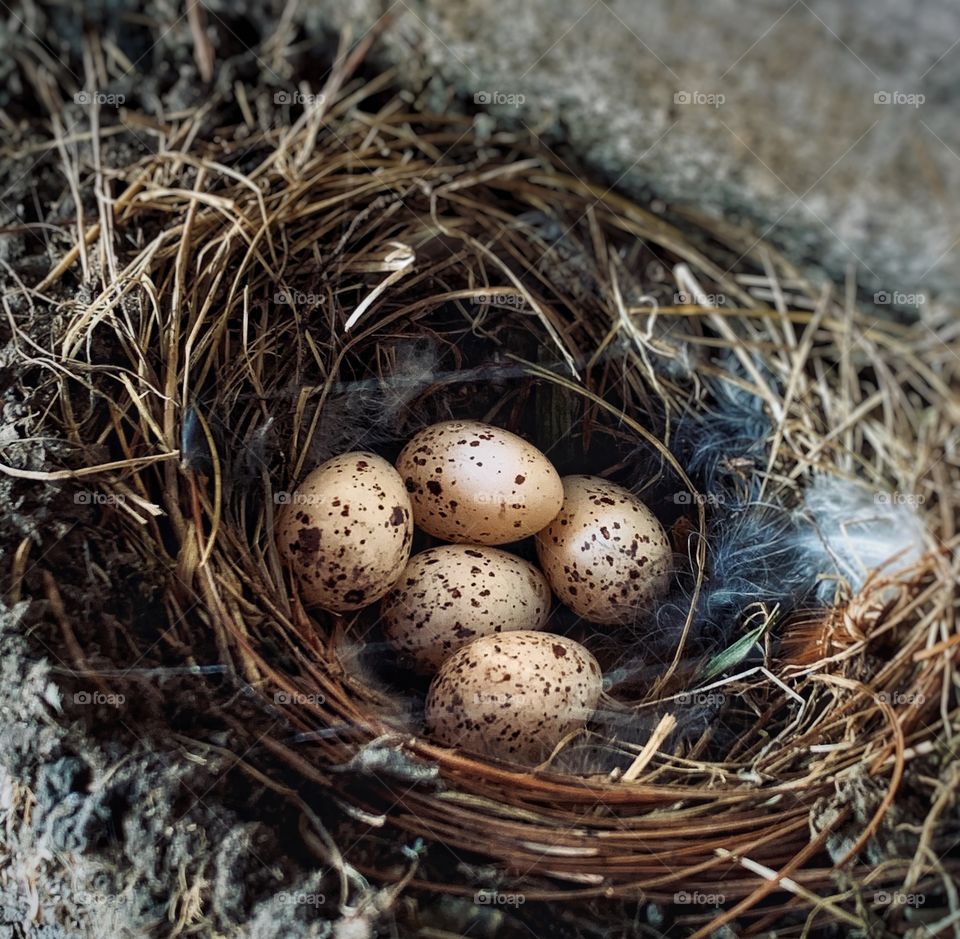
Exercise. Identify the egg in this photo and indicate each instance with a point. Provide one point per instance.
(472, 483)
(513, 696)
(605, 555)
(346, 532)
(450, 595)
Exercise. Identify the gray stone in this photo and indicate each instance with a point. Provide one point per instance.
(800, 119)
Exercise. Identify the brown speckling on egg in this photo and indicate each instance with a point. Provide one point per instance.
(512, 696)
(347, 566)
(473, 483)
(452, 594)
(605, 555)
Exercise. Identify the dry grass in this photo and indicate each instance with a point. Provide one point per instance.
(382, 227)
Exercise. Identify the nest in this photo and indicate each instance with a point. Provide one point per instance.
(365, 271)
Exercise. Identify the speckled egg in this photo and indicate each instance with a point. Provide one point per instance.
(606, 555)
(514, 696)
(451, 595)
(346, 532)
(472, 483)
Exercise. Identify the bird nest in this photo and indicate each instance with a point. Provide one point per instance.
(364, 271)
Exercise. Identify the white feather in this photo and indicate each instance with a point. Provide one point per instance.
(852, 530)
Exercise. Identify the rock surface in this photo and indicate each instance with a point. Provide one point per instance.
(824, 126)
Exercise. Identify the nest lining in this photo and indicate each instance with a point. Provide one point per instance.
(362, 274)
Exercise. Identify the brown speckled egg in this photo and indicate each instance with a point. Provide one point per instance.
(449, 596)
(606, 555)
(346, 531)
(514, 695)
(472, 483)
